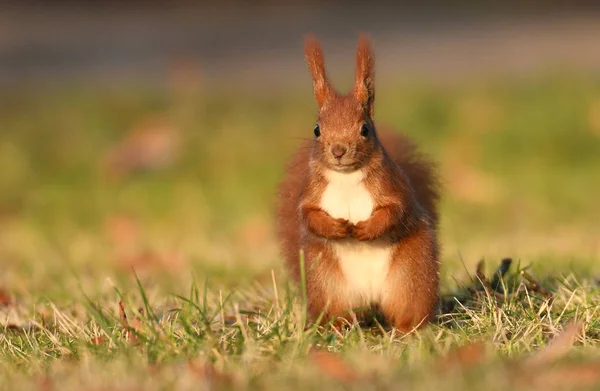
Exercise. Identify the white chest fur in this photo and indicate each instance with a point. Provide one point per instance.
(346, 196)
(364, 264)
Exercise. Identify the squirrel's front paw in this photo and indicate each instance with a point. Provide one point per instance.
(363, 231)
(340, 229)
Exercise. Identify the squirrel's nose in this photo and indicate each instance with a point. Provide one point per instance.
(338, 150)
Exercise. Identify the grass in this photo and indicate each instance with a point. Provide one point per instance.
(191, 242)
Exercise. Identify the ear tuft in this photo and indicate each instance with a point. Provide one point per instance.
(364, 83)
(316, 63)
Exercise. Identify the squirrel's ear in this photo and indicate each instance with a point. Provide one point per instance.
(314, 58)
(364, 83)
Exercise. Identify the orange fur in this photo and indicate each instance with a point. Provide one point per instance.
(402, 200)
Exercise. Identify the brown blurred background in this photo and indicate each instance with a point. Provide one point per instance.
(153, 135)
(252, 42)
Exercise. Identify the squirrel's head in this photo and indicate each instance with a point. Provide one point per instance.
(344, 135)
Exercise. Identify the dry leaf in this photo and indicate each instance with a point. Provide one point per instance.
(46, 384)
(129, 329)
(11, 327)
(563, 377)
(462, 357)
(333, 365)
(150, 145)
(101, 340)
(122, 230)
(464, 180)
(5, 298)
(46, 317)
(141, 260)
(122, 314)
(170, 262)
(467, 183)
(254, 233)
(208, 373)
(558, 347)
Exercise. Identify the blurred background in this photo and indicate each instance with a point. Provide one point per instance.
(153, 136)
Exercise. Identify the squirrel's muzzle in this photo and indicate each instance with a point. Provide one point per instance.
(338, 150)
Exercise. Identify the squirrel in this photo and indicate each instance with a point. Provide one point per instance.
(362, 207)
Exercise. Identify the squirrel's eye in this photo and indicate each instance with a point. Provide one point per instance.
(317, 131)
(364, 131)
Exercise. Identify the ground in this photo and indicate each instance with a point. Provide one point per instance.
(137, 244)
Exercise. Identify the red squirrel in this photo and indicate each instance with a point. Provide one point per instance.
(362, 206)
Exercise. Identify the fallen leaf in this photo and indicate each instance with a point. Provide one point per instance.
(101, 340)
(15, 328)
(462, 357)
(141, 260)
(464, 179)
(558, 347)
(122, 314)
(46, 384)
(333, 365)
(574, 376)
(254, 233)
(122, 230)
(170, 262)
(5, 298)
(151, 144)
(228, 319)
(46, 317)
(129, 329)
(206, 372)
(467, 183)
